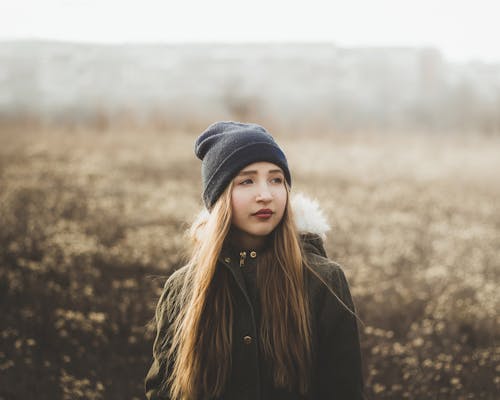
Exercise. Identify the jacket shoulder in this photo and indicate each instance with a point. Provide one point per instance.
(327, 269)
(170, 297)
(327, 280)
(315, 255)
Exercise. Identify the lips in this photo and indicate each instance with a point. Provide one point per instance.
(264, 212)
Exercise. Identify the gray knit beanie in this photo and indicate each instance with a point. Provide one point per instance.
(227, 147)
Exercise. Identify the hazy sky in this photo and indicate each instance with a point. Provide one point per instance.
(461, 29)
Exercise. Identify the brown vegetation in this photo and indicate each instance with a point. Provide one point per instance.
(92, 222)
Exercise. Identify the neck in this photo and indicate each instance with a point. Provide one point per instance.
(243, 240)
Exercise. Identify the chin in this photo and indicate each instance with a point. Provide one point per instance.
(263, 232)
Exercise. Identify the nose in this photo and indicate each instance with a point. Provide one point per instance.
(264, 193)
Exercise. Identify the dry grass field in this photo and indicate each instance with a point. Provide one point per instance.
(91, 223)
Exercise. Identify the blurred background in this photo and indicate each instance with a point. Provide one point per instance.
(388, 111)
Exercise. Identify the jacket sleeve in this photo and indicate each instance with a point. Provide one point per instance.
(340, 369)
(161, 366)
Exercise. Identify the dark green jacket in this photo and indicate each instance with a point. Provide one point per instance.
(336, 372)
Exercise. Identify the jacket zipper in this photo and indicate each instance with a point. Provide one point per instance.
(243, 255)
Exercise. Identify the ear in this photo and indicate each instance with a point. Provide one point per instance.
(309, 217)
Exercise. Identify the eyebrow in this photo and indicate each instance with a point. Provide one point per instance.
(253, 172)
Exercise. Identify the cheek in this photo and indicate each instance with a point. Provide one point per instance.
(238, 203)
(281, 198)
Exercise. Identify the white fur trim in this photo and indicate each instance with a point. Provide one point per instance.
(309, 217)
(197, 228)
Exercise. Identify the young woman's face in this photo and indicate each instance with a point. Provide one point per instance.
(258, 201)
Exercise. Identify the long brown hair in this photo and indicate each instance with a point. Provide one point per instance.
(202, 329)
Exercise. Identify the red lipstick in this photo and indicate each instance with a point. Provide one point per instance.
(264, 213)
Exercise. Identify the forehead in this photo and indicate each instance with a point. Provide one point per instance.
(261, 166)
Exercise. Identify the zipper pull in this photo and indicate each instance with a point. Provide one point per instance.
(243, 255)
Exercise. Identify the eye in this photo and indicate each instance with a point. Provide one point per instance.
(277, 180)
(246, 181)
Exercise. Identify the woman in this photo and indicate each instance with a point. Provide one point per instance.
(259, 312)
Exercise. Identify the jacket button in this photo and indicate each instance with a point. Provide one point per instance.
(253, 254)
(247, 340)
(227, 259)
